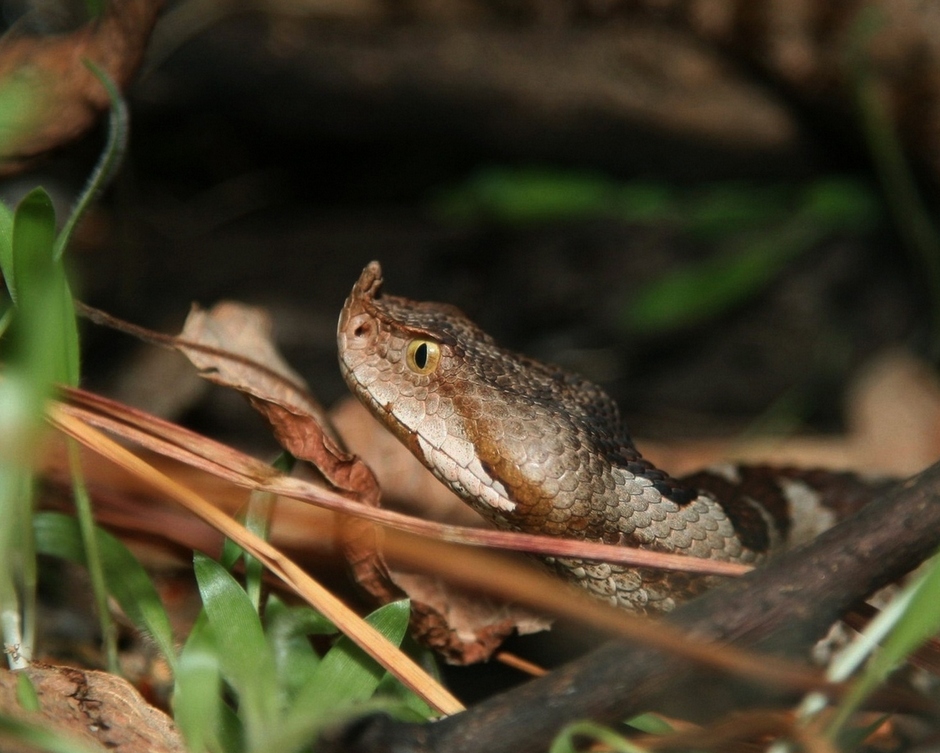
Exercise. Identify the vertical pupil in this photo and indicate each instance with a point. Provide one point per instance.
(421, 356)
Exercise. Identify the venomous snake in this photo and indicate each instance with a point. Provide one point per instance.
(534, 448)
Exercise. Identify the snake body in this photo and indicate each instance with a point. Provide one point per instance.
(538, 449)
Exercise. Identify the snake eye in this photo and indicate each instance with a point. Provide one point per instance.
(423, 356)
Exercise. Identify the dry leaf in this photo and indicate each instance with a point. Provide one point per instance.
(238, 352)
(95, 709)
(68, 97)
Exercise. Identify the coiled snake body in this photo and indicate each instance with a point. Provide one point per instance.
(537, 449)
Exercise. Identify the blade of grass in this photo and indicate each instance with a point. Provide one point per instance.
(108, 163)
(58, 535)
(33, 353)
(261, 506)
(343, 682)
(412, 708)
(197, 697)
(41, 737)
(749, 260)
(287, 631)
(347, 674)
(16, 587)
(565, 742)
(245, 657)
(917, 618)
(99, 588)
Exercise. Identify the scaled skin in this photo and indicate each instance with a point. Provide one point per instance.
(536, 449)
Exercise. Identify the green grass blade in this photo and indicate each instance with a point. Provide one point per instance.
(26, 694)
(347, 675)
(6, 249)
(33, 239)
(651, 724)
(410, 706)
(246, 658)
(342, 683)
(70, 369)
(93, 559)
(17, 558)
(261, 506)
(287, 630)
(197, 696)
(565, 742)
(920, 620)
(33, 363)
(46, 314)
(749, 260)
(108, 163)
(40, 737)
(44, 328)
(517, 196)
(58, 535)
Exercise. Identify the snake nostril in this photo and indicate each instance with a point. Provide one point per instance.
(362, 330)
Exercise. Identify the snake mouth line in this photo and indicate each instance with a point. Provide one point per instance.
(491, 491)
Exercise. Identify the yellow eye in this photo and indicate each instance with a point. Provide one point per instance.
(423, 356)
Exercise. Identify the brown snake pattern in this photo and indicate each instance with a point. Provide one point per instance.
(537, 449)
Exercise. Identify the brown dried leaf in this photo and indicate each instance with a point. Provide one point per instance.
(95, 709)
(68, 97)
(238, 352)
(233, 348)
(463, 627)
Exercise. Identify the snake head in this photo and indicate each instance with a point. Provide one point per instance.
(421, 369)
(518, 440)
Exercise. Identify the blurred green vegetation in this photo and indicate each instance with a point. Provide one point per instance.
(748, 233)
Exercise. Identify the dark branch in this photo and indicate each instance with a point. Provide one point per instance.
(783, 608)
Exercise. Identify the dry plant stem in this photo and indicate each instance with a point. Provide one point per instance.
(200, 452)
(370, 640)
(783, 608)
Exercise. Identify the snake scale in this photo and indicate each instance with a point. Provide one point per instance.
(537, 449)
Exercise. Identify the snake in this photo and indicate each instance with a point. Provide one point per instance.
(537, 449)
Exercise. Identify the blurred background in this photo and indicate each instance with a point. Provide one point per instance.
(713, 208)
